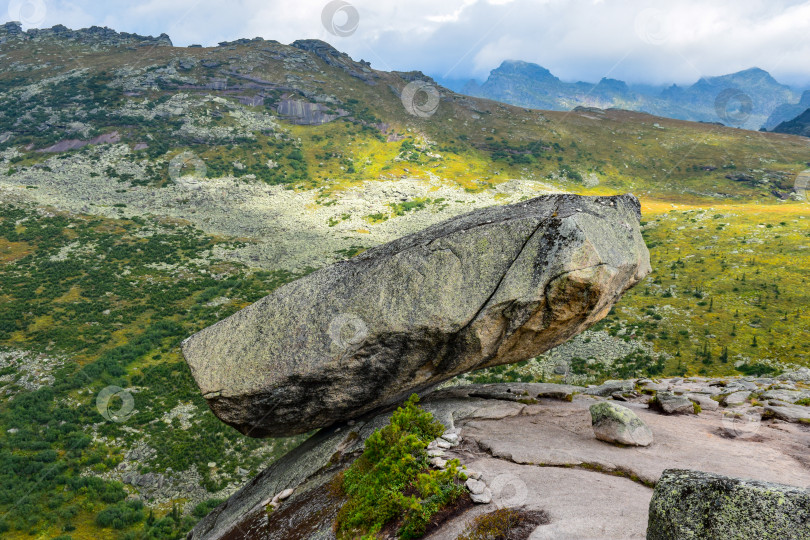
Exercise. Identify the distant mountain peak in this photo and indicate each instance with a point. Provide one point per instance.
(750, 75)
(613, 84)
(526, 69)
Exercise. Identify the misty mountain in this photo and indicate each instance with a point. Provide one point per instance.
(787, 112)
(746, 99)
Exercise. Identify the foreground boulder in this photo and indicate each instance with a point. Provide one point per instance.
(694, 504)
(495, 286)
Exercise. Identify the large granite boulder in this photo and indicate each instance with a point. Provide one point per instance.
(695, 504)
(495, 286)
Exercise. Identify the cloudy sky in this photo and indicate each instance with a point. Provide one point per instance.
(639, 41)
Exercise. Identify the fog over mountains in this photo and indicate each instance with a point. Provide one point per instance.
(750, 99)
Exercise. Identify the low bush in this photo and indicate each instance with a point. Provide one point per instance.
(392, 480)
(505, 524)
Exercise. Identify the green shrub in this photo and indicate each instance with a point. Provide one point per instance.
(393, 480)
(205, 507)
(121, 516)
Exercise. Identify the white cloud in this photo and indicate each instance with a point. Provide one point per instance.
(575, 39)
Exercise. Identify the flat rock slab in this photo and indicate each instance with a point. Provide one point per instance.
(706, 403)
(694, 504)
(521, 392)
(495, 286)
(549, 448)
(737, 398)
(558, 433)
(580, 504)
(789, 413)
(790, 396)
(610, 387)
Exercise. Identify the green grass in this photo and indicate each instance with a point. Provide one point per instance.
(120, 323)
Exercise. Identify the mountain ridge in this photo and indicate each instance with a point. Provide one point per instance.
(745, 98)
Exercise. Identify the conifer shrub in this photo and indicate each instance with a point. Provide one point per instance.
(393, 482)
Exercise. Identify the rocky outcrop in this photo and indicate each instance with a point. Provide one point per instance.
(304, 113)
(75, 144)
(333, 57)
(495, 286)
(694, 504)
(95, 35)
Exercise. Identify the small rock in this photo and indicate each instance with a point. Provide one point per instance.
(441, 443)
(610, 387)
(615, 423)
(435, 453)
(284, 494)
(452, 438)
(653, 386)
(438, 462)
(475, 475)
(705, 402)
(476, 487)
(739, 385)
(618, 397)
(483, 498)
(737, 398)
(669, 403)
